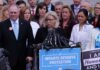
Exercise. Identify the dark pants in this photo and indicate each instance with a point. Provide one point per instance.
(20, 65)
(36, 60)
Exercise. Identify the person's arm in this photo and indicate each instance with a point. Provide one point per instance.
(30, 42)
(72, 36)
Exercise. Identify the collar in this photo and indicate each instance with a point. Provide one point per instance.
(49, 5)
(17, 21)
(77, 6)
(33, 8)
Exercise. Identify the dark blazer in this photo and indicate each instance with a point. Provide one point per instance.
(90, 18)
(42, 34)
(72, 8)
(52, 7)
(17, 49)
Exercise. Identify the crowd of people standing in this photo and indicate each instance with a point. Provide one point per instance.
(22, 25)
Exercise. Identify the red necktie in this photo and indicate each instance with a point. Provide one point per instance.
(33, 12)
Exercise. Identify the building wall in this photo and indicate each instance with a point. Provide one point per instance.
(69, 2)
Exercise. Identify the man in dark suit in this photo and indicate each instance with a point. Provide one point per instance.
(32, 6)
(76, 6)
(14, 33)
(87, 6)
(50, 6)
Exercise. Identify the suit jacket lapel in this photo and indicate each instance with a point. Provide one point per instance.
(20, 29)
(73, 9)
(9, 26)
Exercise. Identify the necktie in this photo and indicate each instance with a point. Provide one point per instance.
(33, 12)
(15, 28)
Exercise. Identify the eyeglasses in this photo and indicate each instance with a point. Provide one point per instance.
(96, 8)
(49, 19)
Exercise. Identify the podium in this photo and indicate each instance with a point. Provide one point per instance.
(60, 59)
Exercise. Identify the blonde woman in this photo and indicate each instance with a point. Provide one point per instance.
(50, 21)
(5, 14)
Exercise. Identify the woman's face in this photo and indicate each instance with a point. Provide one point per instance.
(81, 18)
(6, 14)
(97, 9)
(65, 13)
(27, 14)
(50, 21)
(42, 11)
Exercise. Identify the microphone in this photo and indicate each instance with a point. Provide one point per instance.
(55, 40)
(73, 44)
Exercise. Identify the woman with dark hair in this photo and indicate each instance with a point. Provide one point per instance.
(95, 36)
(40, 12)
(81, 31)
(67, 21)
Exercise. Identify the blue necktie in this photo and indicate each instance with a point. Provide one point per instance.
(15, 28)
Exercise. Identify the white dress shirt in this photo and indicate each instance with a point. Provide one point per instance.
(35, 26)
(15, 23)
(76, 9)
(49, 7)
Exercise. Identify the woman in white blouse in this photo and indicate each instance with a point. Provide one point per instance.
(95, 36)
(81, 32)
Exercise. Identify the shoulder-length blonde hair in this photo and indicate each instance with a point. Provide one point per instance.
(4, 15)
(52, 13)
